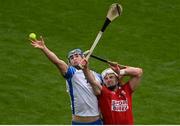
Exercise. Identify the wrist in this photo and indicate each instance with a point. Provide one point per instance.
(122, 72)
(44, 48)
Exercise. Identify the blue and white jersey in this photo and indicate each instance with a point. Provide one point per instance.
(83, 100)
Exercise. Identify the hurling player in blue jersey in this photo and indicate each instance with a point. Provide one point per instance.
(84, 103)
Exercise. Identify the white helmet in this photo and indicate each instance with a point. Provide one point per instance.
(108, 71)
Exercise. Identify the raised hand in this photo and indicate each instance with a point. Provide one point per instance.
(83, 64)
(115, 67)
(38, 43)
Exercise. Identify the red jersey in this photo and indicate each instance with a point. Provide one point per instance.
(116, 107)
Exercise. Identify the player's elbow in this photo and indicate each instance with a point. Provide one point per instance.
(139, 72)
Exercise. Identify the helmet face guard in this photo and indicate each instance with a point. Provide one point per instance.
(75, 51)
(108, 71)
(104, 74)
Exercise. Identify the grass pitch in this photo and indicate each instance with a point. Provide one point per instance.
(146, 35)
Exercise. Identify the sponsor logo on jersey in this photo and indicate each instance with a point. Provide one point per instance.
(119, 105)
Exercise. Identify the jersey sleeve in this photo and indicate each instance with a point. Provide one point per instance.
(128, 87)
(70, 72)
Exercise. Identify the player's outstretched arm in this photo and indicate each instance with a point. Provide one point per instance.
(62, 66)
(91, 78)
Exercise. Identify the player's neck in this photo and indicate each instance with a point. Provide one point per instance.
(113, 88)
(77, 67)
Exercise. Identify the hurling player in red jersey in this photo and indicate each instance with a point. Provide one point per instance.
(114, 97)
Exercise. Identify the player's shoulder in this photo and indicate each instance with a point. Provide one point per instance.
(70, 72)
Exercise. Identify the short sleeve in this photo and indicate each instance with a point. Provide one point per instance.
(70, 72)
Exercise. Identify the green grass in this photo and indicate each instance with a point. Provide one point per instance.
(146, 35)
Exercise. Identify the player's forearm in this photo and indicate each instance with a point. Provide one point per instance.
(51, 56)
(132, 71)
(61, 65)
(91, 79)
(89, 76)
